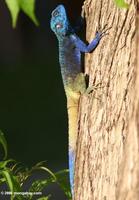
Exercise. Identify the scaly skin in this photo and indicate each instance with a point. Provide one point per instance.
(70, 48)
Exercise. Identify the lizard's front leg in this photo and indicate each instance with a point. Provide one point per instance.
(93, 44)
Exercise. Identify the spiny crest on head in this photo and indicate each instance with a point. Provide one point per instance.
(59, 21)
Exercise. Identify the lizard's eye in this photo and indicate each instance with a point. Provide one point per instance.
(59, 25)
(55, 13)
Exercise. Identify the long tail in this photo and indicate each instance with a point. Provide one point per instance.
(72, 106)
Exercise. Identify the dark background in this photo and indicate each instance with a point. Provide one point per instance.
(33, 113)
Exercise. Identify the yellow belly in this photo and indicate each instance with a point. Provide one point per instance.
(72, 107)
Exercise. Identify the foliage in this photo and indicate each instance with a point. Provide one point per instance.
(121, 4)
(14, 175)
(27, 6)
(60, 178)
(3, 142)
(6, 176)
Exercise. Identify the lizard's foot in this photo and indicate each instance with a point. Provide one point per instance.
(93, 88)
(101, 32)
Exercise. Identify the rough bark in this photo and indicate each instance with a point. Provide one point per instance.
(107, 162)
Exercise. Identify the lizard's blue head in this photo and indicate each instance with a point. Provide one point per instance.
(59, 22)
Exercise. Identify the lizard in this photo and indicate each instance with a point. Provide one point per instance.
(70, 49)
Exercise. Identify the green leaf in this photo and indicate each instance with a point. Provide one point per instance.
(61, 178)
(8, 178)
(4, 144)
(4, 163)
(2, 180)
(45, 198)
(121, 4)
(38, 167)
(12, 182)
(39, 185)
(14, 8)
(28, 7)
(63, 181)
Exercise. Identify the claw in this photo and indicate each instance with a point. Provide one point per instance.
(104, 27)
(103, 30)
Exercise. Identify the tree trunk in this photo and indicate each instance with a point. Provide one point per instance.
(107, 161)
